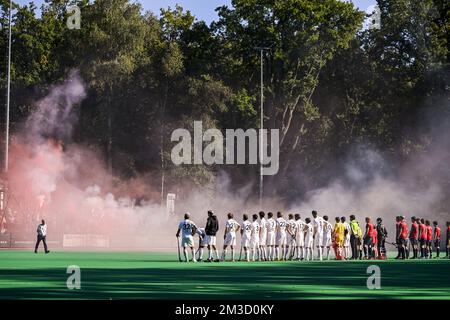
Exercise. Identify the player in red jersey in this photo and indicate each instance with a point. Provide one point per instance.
(414, 236)
(375, 253)
(422, 238)
(368, 243)
(437, 238)
(429, 239)
(447, 243)
(403, 237)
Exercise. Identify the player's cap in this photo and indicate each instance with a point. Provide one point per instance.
(379, 220)
(187, 215)
(210, 212)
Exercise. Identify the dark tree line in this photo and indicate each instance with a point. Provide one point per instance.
(330, 84)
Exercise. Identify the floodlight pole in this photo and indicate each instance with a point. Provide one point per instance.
(8, 89)
(261, 124)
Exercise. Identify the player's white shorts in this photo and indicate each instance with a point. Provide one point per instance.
(309, 242)
(300, 241)
(254, 243)
(245, 241)
(187, 241)
(327, 242)
(263, 239)
(290, 240)
(281, 239)
(271, 238)
(210, 240)
(230, 240)
(319, 239)
(347, 241)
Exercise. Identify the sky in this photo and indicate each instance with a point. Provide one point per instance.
(201, 9)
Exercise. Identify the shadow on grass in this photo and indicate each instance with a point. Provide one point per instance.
(333, 280)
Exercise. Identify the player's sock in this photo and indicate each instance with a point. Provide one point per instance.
(328, 253)
(277, 253)
(224, 254)
(232, 254)
(320, 253)
(186, 257)
(438, 250)
(201, 254)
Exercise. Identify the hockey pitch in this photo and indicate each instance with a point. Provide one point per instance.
(142, 275)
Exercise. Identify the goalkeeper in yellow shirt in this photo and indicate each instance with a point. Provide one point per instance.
(339, 237)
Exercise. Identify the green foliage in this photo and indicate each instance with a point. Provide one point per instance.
(328, 84)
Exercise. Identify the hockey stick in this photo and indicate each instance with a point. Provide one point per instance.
(392, 244)
(178, 246)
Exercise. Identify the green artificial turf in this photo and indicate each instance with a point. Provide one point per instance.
(139, 275)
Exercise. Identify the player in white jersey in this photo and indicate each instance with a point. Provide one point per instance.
(347, 231)
(281, 236)
(309, 238)
(202, 243)
(263, 224)
(271, 234)
(318, 233)
(254, 242)
(246, 236)
(291, 235)
(231, 227)
(188, 229)
(328, 231)
(300, 237)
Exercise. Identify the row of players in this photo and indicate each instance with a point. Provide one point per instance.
(280, 239)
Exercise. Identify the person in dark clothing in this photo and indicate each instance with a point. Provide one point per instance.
(211, 228)
(447, 241)
(381, 235)
(397, 236)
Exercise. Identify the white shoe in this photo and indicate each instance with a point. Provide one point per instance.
(194, 260)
